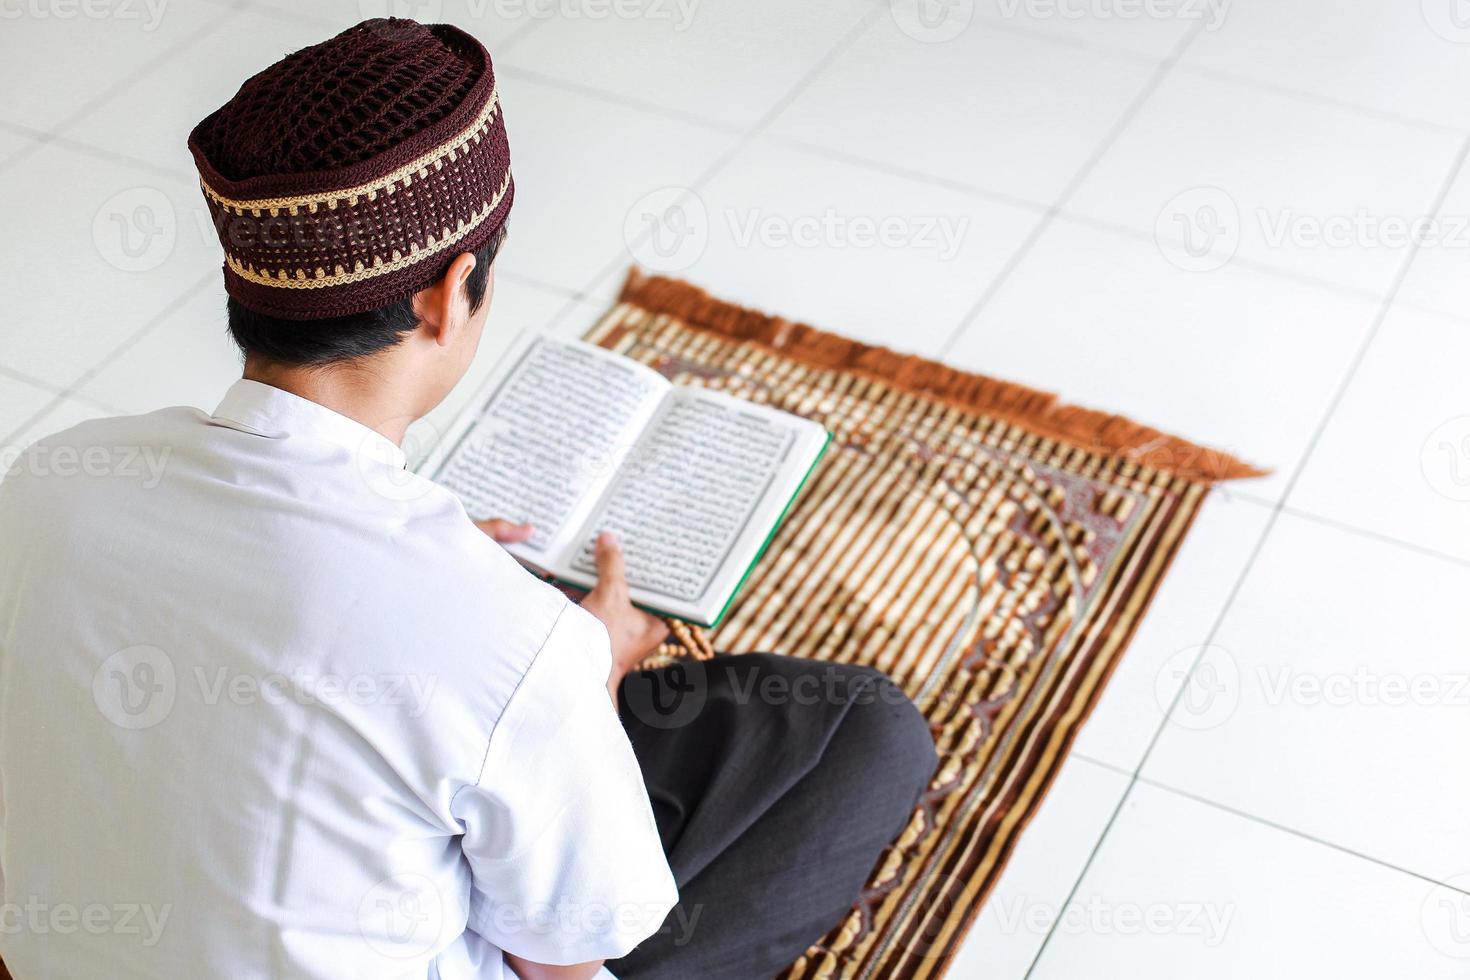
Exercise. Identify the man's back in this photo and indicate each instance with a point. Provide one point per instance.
(250, 670)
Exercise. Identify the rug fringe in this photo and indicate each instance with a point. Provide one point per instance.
(1038, 411)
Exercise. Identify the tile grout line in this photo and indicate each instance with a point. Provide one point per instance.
(1236, 261)
(615, 99)
(1265, 822)
(36, 141)
(1300, 834)
(32, 419)
(128, 342)
(117, 157)
(1312, 98)
(59, 397)
(32, 380)
(1000, 22)
(544, 284)
(1048, 212)
(231, 7)
(1414, 306)
(854, 33)
(1048, 216)
(917, 176)
(21, 129)
(40, 138)
(1076, 217)
(229, 10)
(57, 400)
(72, 390)
(996, 23)
(1130, 112)
(121, 85)
(1245, 81)
(1124, 231)
(516, 35)
(1260, 544)
(1133, 777)
(1345, 526)
(572, 299)
(1457, 165)
(1372, 535)
(1051, 213)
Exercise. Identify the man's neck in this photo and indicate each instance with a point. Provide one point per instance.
(363, 393)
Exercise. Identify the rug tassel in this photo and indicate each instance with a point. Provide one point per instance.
(1039, 411)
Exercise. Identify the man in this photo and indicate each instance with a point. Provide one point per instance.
(280, 709)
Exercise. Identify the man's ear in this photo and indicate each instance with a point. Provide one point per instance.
(443, 308)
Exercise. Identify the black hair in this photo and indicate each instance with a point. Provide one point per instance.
(341, 338)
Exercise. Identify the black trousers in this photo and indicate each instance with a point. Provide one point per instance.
(776, 783)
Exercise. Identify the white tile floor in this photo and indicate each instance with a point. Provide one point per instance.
(1195, 212)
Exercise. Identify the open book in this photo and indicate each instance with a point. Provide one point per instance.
(576, 440)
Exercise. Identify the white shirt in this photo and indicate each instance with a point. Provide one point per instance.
(271, 706)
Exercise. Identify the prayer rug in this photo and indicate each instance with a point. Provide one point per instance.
(989, 548)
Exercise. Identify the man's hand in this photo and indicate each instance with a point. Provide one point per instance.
(506, 532)
(634, 633)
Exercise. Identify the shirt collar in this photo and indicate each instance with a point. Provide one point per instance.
(274, 413)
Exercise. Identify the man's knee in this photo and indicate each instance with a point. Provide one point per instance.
(895, 734)
(877, 763)
(877, 736)
(878, 717)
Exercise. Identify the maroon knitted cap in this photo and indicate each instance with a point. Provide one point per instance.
(348, 175)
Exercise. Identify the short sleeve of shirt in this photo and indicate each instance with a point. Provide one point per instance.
(566, 860)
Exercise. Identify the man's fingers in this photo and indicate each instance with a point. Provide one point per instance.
(506, 532)
(612, 574)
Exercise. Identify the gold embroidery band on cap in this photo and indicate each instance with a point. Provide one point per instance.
(405, 174)
(304, 279)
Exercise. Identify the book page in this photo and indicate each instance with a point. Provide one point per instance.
(697, 497)
(553, 431)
